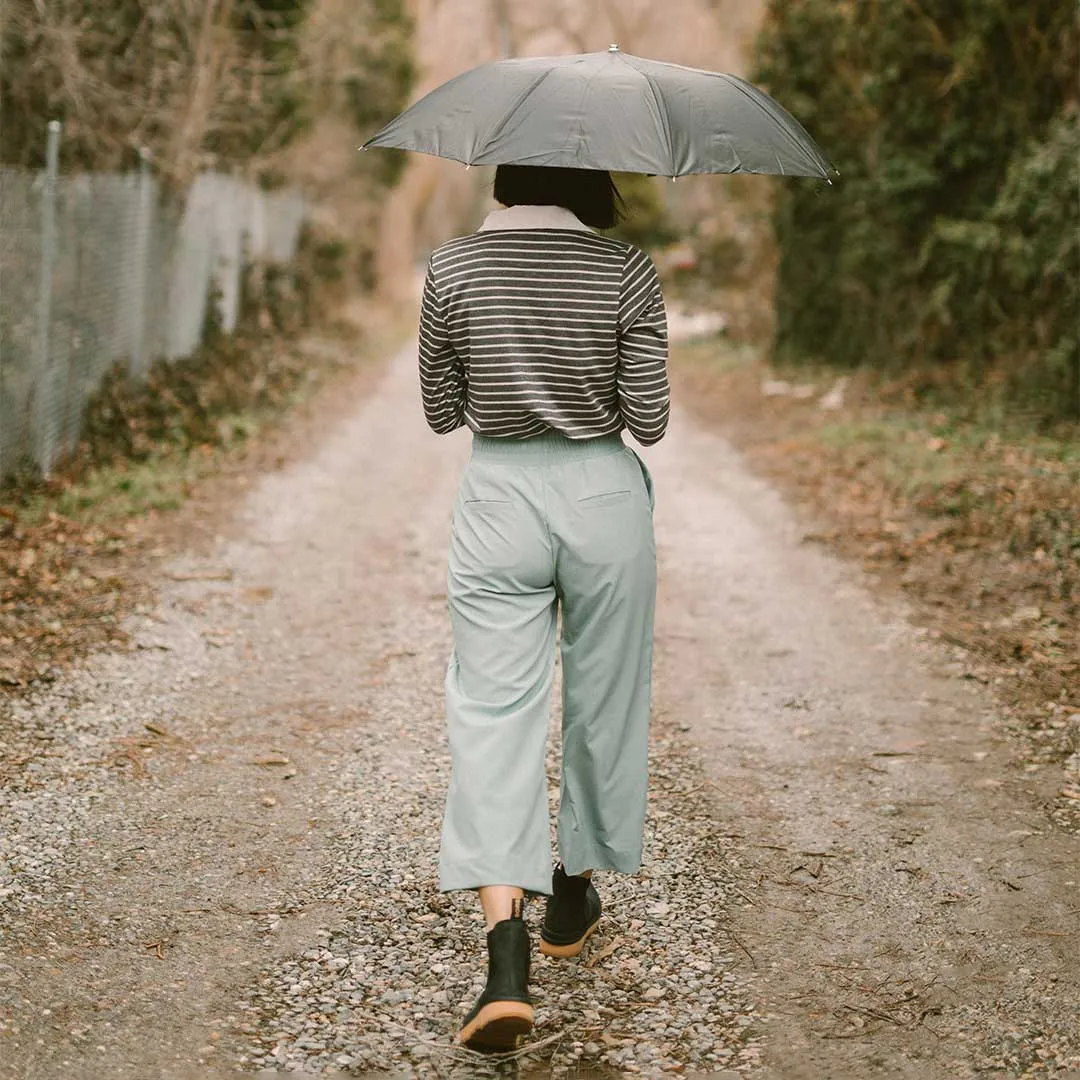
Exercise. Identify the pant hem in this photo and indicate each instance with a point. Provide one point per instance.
(578, 862)
(474, 876)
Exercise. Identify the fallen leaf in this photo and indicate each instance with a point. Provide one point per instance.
(605, 952)
(272, 759)
(210, 575)
(1029, 613)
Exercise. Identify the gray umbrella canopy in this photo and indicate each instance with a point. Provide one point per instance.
(607, 110)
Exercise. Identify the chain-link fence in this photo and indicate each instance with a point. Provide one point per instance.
(101, 269)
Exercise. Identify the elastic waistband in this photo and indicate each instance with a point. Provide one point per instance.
(544, 449)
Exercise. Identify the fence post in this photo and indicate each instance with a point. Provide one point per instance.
(137, 365)
(44, 441)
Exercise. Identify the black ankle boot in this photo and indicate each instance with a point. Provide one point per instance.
(573, 912)
(503, 1013)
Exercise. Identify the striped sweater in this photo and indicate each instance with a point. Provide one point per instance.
(536, 323)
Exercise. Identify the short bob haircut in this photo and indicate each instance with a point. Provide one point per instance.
(591, 194)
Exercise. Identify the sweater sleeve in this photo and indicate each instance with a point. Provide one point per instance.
(642, 381)
(443, 382)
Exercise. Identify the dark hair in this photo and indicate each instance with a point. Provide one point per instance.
(591, 194)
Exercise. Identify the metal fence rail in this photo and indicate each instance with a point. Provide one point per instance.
(100, 269)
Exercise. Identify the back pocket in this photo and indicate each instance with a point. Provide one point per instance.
(605, 498)
(485, 504)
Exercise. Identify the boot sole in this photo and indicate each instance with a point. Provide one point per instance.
(563, 952)
(497, 1027)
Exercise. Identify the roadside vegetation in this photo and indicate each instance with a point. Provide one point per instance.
(949, 249)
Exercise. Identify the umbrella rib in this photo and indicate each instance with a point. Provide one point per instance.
(658, 98)
(782, 122)
(522, 98)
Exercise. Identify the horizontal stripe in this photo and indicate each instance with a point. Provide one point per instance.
(509, 261)
(542, 337)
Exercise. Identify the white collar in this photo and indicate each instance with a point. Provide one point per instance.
(533, 217)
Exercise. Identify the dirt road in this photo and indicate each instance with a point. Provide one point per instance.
(223, 859)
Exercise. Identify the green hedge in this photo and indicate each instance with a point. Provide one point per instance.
(950, 245)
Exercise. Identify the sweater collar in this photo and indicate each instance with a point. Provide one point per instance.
(533, 217)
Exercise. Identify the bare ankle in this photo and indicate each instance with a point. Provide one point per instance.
(500, 902)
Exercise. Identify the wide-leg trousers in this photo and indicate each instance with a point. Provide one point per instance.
(542, 524)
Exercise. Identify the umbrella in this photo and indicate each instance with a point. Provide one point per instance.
(606, 110)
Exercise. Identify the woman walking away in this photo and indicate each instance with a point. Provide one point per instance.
(547, 340)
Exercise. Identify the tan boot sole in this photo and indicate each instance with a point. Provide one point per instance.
(563, 952)
(497, 1027)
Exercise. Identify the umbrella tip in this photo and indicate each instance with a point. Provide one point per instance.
(613, 48)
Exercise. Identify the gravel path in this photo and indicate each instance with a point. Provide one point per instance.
(219, 851)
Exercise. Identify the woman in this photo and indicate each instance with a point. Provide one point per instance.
(546, 339)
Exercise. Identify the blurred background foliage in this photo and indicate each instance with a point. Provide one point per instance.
(276, 90)
(198, 83)
(949, 249)
(382, 73)
(647, 223)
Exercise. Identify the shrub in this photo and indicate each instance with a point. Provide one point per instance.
(949, 241)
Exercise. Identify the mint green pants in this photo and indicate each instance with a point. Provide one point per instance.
(538, 525)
